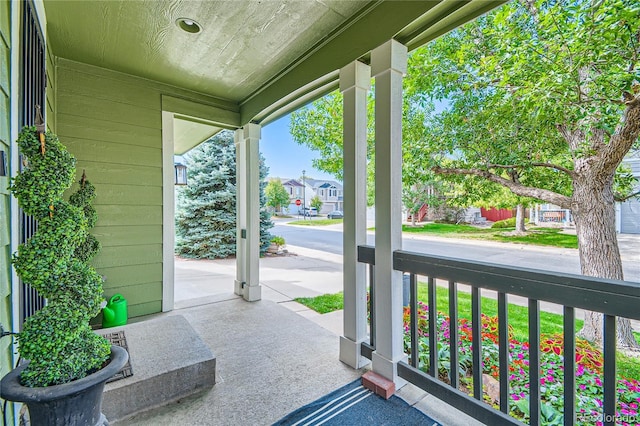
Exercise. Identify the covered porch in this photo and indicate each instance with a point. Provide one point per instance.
(289, 362)
(131, 84)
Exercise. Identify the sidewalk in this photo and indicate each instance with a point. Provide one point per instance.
(310, 273)
(302, 273)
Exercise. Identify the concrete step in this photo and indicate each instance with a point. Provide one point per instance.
(169, 362)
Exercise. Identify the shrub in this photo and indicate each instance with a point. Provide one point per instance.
(589, 373)
(57, 340)
(507, 223)
(277, 240)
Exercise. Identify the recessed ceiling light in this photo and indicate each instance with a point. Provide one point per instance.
(188, 25)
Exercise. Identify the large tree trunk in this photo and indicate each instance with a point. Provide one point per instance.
(594, 213)
(520, 219)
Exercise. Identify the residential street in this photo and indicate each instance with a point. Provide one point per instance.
(316, 267)
(329, 239)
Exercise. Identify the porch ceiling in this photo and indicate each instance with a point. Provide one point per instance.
(267, 57)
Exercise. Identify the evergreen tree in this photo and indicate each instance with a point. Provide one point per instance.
(206, 207)
(265, 216)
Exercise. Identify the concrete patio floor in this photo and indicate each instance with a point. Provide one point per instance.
(270, 361)
(272, 356)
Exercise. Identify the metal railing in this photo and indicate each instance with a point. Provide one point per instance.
(609, 297)
(554, 216)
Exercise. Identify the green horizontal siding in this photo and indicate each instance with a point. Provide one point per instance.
(138, 294)
(104, 131)
(112, 123)
(4, 123)
(129, 255)
(128, 194)
(131, 275)
(5, 274)
(4, 67)
(5, 212)
(121, 174)
(113, 153)
(127, 91)
(113, 128)
(144, 308)
(50, 69)
(106, 110)
(117, 215)
(118, 236)
(6, 311)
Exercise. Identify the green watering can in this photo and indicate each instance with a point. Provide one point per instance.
(115, 313)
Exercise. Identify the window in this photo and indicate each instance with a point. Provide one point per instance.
(33, 86)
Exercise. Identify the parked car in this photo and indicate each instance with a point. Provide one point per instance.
(310, 211)
(336, 214)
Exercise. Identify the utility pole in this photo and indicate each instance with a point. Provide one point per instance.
(304, 198)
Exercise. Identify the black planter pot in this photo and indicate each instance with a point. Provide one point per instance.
(77, 403)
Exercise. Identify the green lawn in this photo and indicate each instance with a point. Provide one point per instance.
(518, 318)
(536, 236)
(316, 222)
(518, 315)
(323, 304)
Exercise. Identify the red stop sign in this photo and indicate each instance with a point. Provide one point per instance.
(298, 202)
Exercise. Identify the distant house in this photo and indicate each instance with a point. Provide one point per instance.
(550, 214)
(329, 191)
(296, 192)
(628, 213)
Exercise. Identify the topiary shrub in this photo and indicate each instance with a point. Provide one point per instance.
(57, 340)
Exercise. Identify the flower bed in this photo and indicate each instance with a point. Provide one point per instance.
(589, 373)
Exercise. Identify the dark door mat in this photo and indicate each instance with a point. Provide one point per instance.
(353, 404)
(118, 338)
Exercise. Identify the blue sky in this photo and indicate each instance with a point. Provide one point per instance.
(283, 156)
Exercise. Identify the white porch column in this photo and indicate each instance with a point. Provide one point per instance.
(355, 81)
(241, 213)
(248, 212)
(388, 64)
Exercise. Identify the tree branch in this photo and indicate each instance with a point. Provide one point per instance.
(569, 172)
(572, 137)
(520, 166)
(625, 135)
(622, 199)
(517, 188)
